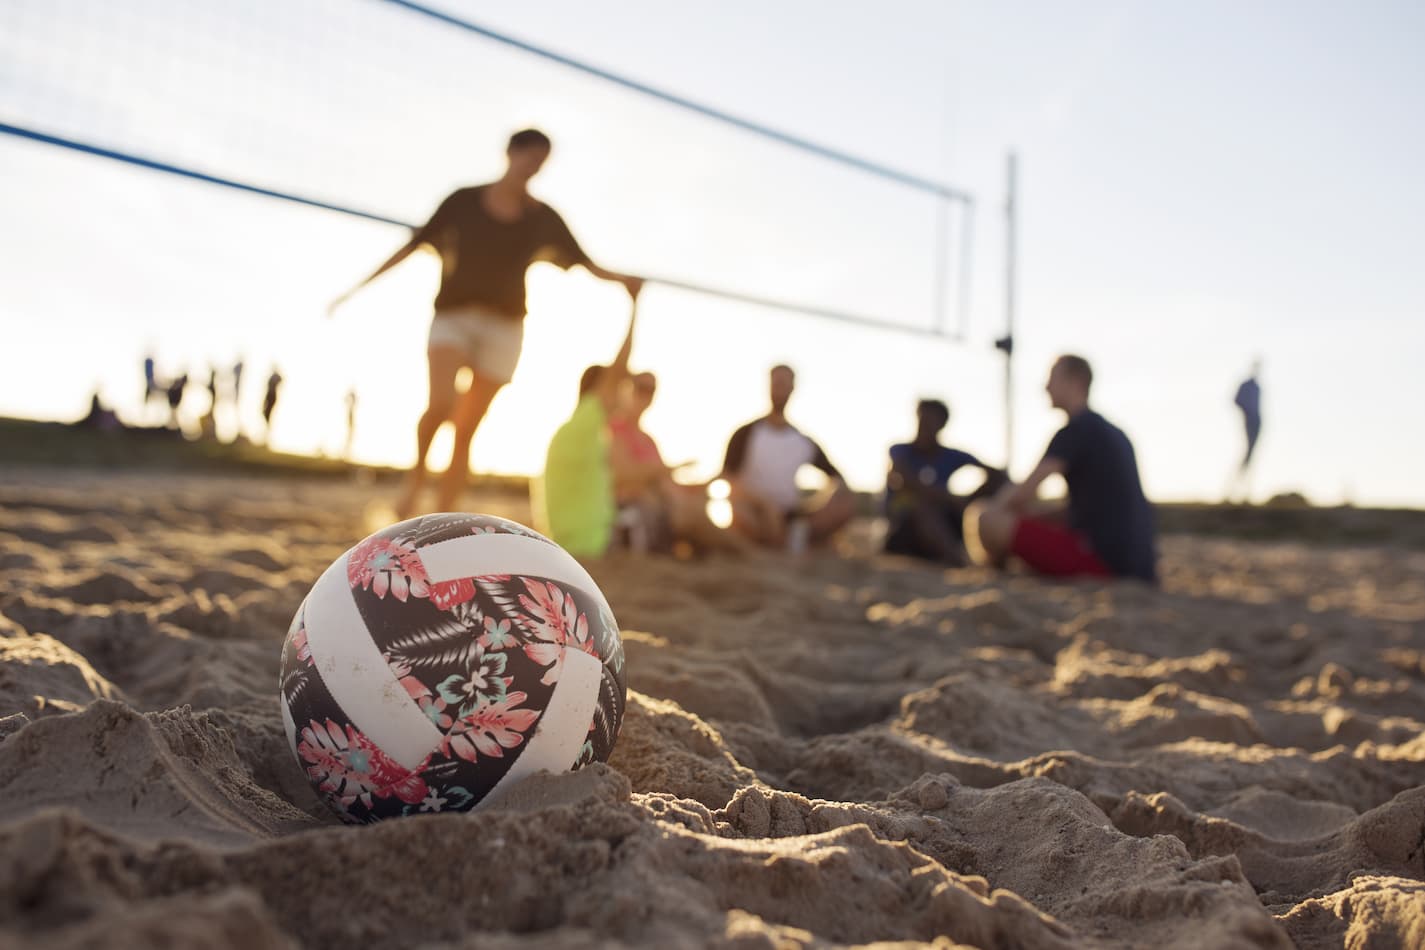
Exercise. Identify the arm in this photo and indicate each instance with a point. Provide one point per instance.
(564, 251)
(406, 250)
(632, 284)
(617, 371)
(1023, 496)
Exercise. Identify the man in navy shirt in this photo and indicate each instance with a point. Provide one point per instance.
(1106, 530)
(925, 519)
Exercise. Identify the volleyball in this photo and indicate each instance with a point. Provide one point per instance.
(443, 659)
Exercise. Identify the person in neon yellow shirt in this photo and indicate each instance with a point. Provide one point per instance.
(574, 501)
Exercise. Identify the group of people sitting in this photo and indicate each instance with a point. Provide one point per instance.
(606, 484)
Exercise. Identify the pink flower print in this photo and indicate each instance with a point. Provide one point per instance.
(490, 729)
(497, 635)
(449, 594)
(554, 624)
(383, 565)
(348, 767)
(304, 650)
(435, 709)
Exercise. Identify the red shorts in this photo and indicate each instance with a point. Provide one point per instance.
(1055, 550)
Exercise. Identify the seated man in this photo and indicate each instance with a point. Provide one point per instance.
(574, 501)
(763, 458)
(924, 517)
(658, 510)
(1107, 528)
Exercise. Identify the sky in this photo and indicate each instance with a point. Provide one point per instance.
(1200, 185)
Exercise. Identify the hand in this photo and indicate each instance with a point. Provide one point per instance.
(633, 285)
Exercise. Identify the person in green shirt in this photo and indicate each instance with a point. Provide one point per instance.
(574, 501)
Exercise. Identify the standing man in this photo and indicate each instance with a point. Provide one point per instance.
(487, 237)
(763, 458)
(269, 403)
(1106, 530)
(1249, 400)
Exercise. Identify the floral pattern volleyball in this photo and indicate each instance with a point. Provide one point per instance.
(410, 685)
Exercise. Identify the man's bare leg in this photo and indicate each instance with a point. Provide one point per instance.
(445, 363)
(758, 520)
(832, 514)
(989, 529)
(468, 415)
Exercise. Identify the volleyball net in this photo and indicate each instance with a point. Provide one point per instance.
(374, 109)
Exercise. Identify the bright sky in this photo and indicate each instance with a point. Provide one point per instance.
(1201, 184)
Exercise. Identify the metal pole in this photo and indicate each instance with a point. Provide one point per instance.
(1006, 344)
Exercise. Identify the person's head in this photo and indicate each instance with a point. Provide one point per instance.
(783, 380)
(641, 388)
(590, 380)
(527, 152)
(1069, 383)
(931, 416)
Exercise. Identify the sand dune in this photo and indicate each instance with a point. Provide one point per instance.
(848, 751)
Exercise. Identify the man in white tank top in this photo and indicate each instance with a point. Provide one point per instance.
(763, 458)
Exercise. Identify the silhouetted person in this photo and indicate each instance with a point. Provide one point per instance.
(487, 237)
(175, 399)
(1106, 529)
(269, 402)
(152, 389)
(761, 465)
(1249, 400)
(100, 416)
(574, 500)
(924, 518)
(350, 423)
(654, 510)
(208, 425)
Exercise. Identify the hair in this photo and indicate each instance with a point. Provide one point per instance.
(1078, 368)
(529, 138)
(936, 406)
(784, 367)
(590, 379)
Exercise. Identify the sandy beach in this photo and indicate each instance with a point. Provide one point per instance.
(850, 750)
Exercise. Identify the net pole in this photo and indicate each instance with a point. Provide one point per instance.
(1010, 266)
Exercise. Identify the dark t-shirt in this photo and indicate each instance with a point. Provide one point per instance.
(1106, 502)
(483, 260)
(933, 470)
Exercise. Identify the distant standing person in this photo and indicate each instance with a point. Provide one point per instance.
(1249, 400)
(487, 237)
(1107, 528)
(152, 388)
(269, 402)
(761, 466)
(175, 399)
(350, 423)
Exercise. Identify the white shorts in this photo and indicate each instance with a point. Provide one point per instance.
(489, 341)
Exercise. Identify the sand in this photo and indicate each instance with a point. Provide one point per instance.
(852, 750)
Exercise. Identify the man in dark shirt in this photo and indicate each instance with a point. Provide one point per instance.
(487, 237)
(924, 518)
(763, 458)
(1107, 528)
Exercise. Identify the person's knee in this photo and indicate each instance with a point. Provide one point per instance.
(989, 530)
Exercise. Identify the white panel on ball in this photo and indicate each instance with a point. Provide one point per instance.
(480, 555)
(564, 726)
(358, 677)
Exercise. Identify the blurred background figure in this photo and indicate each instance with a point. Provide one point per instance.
(1249, 400)
(269, 403)
(924, 519)
(175, 399)
(761, 465)
(237, 398)
(208, 424)
(350, 424)
(654, 511)
(153, 390)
